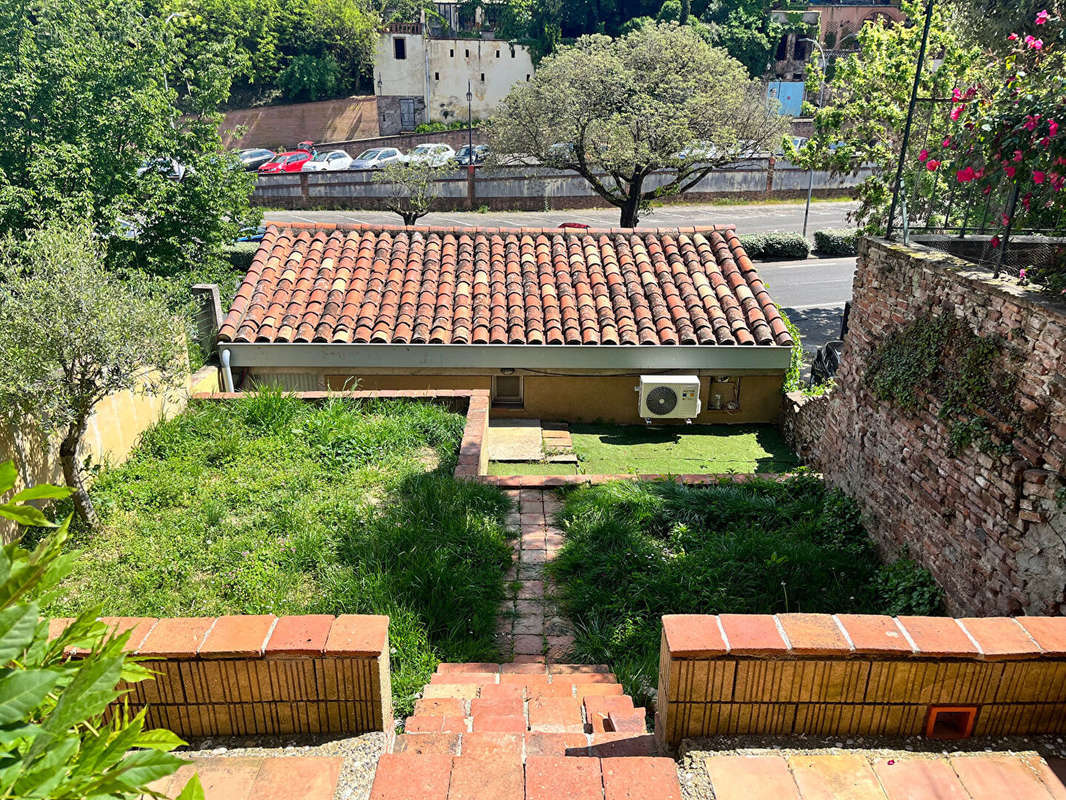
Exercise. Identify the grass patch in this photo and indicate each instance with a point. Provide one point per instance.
(629, 449)
(268, 504)
(636, 551)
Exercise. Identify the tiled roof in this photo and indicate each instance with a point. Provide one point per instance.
(418, 285)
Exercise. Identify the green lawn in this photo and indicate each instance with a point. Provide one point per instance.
(271, 505)
(673, 450)
(635, 551)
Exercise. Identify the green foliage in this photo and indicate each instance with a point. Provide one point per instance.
(836, 241)
(867, 99)
(91, 90)
(746, 29)
(793, 376)
(906, 587)
(775, 246)
(636, 551)
(437, 127)
(309, 78)
(688, 107)
(240, 255)
(941, 357)
(55, 742)
(272, 505)
(103, 335)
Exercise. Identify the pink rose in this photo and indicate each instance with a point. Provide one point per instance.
(965, 175)
(923, 156)
(955, 113)
(1034, 44)
(1010, 171)
(1038, 177)
(995, 241)
(1013, 37)
(1042, 17)
(1052, 127)
(946, 142)
(932, 165)
(956, 94)
(1017, 155)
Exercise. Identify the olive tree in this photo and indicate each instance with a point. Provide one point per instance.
(74, 333)
(416, 185)
(659, 98)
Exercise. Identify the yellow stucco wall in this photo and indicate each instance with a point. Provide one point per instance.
(113, 432)
(586, 398)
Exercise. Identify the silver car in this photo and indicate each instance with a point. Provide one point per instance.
(435, 154)
(328, 160)
(376, 158)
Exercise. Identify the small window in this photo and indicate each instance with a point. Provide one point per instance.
(507, 391)
(451, 53)
(527, 78)
(950, 722)
(399, 48)
(482, 77)
(497, 54)
(436, 76)
(468, 53)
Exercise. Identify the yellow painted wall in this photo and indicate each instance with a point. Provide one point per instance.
(113, 432)
(580, 398)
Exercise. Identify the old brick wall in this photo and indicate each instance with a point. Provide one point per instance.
(989, 528)
(278, 127)
(803, 424)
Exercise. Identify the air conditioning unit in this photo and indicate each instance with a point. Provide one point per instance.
(669, 397)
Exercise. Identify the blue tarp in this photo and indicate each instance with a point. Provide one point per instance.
(789, 94)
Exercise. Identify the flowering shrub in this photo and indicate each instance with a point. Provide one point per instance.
(1006, 130)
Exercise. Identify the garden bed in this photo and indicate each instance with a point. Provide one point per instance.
(270, 504)
(635, 551)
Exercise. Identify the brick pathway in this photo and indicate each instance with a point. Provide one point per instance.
(530, 626)
(525, 731)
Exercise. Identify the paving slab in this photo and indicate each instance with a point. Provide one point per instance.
(515, 440)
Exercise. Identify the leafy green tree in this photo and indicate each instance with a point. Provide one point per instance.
(617, 110)
(92, 91)
(747, 31)
(864, 116)
(75, 333)
(55, 743)
(309, 77)
(416, 185)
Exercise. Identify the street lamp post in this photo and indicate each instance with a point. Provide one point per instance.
(821, 102)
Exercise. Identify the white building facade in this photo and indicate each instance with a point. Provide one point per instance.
(410, 63)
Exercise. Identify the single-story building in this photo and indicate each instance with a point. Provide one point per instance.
(558, 324)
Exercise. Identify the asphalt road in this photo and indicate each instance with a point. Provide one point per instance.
(748, 218)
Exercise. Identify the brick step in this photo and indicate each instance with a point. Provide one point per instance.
(242, 778)
(485, 776)
(518, 747)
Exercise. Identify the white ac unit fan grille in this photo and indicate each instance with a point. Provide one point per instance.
(669, 397)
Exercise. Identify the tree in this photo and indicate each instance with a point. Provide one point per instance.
(56, 742)
(617, 110)
(865, 113)
(417, 186)
(92, 91)
(74, 334)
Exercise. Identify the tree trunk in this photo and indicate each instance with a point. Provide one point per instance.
(410, 217)
(68, 457)
(631, 207)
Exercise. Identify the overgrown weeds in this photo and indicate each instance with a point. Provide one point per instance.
(268, 504)
(636, 551)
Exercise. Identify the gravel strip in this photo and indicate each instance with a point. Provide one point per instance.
(696, 785)
(360, 754)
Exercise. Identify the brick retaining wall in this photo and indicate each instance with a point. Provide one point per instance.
(260, 675)
(990, 528)
(860, 675)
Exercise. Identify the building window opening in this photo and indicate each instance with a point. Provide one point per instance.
(399, 48)
(451, 53)
(436, 76)
(507, 391)
(482, 77)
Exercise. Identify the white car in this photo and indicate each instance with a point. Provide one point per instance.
(435, 154)
(328, 160)
(376, 158)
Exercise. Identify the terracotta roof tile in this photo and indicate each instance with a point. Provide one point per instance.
(418, 285)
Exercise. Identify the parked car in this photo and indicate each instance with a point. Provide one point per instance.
(435, 154)
(327, 161)
(169, 168)
(252, 233)
(290, 161)
(376, 158)
(255, 157)
(480, 153)
(581, 226)
(827, 359)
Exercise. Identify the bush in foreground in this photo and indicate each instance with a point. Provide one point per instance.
(272, 505)
(636, 551)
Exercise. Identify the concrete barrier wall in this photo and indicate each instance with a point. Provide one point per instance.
(860, 675)
(259, 674)
(537, 188)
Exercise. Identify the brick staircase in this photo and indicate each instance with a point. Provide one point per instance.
(529, 731)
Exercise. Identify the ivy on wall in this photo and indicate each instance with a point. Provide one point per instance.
(940, 356)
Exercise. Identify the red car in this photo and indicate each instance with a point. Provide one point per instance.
(291, 161)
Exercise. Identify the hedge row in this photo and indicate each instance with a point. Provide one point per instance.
(794, 246)
(836, 241)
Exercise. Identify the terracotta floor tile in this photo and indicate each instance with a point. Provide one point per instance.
(640, 779)
(751, 778)
(835, 777)
(503, 745)
(224, 778)
(555, 778)
(309, 778)
(999, 777)
(403, 776)
(427, 743)
(486, 777)
(918, 779)
(556, 744)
